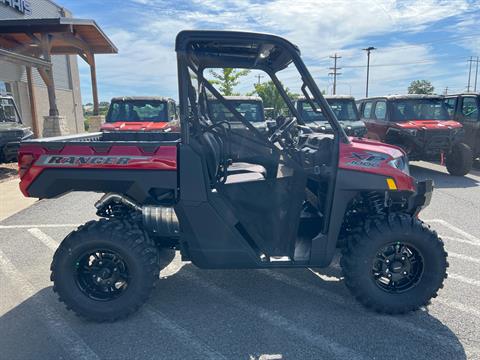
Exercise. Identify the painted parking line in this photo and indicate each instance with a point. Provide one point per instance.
(458, 306)
(459, 231)
(38, 226)
(68, 339)
(463, 279)
(463, 241)
(277, 320)
(197, 346)
(350, 303)
(463, 257)
(315, 339)
(44, 238)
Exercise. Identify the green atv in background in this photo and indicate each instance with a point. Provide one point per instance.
(12, 131)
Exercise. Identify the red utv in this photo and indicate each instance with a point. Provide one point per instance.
(140, 113)
(421, 126)
(177, 191)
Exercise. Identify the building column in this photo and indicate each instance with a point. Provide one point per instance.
(54, 124)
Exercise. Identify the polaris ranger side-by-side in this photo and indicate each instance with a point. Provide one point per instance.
(465, 108)
(421, 126)
(344, 108)
(140, 113)
(12, 131)
(326, 191)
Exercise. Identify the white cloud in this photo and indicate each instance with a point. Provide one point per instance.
(146, 60)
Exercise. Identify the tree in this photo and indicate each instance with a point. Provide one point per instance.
(227, 79)
(421, 87)
(271, 97)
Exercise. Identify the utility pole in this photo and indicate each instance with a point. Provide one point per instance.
(446, 91)
(469, 72)
(368, 50)
(476, 74)
(259, 77)
(335, 72)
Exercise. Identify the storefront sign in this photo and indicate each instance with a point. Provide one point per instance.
(22, 6)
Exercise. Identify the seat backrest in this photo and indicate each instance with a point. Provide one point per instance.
(212, 149)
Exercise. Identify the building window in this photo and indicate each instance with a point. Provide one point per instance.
(5, 87)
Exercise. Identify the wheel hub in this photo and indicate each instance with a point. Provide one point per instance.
(102, 275)
(397, 267)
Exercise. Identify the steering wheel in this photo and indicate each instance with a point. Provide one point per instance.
(281, 131)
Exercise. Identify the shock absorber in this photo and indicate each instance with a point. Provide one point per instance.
(375, 202)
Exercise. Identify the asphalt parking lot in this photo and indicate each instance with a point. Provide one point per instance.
(241, 314)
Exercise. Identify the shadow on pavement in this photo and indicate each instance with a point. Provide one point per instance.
(237, 314)
(442, 179)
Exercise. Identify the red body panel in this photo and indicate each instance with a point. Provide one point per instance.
(378, 129)
(86, 157)
(372, 156)
(134, 126)
(428, 124)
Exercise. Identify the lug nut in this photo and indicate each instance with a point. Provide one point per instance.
(387, 261)
(403, 258)
(404, 273)
(389, 275)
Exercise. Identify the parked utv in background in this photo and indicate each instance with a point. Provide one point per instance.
(140, 113)
(326, 191)
(465, 108)
(12, 131)
(421, 126)
(344, 108)
(251, 107)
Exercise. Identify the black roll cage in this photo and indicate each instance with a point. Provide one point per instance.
(198, 50)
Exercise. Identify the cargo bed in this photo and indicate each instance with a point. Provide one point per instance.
(101, 162)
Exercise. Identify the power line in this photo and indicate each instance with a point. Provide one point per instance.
(335, 72)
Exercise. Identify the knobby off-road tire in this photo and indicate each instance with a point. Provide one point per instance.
(129, 264)
(366, 271)
(459, 161)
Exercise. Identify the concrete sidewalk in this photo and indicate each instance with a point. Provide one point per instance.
(11, 199)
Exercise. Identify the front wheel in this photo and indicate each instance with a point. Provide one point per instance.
(105, 270)
(460, 160)
(394, 265)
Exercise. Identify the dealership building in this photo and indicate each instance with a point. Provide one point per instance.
(40, 46)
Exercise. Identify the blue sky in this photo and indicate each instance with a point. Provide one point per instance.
(416, 39)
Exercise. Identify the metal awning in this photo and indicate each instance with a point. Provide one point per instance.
(64, 31)
(32, 42)
(25, 60)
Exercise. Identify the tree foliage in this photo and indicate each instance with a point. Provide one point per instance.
(421, 87)
(227, 79)
(271, 97)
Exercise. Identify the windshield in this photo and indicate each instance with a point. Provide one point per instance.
(138, 111)
(251, 110)
(8, 112)
(343, 109)
(419, 109)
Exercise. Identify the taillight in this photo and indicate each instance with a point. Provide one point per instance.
(25, 161)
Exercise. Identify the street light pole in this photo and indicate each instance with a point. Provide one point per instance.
(368, 50)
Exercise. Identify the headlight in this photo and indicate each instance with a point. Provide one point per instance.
(401, 164)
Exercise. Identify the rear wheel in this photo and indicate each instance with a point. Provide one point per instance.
(460, 160)
(105, 270)
(394, 265)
